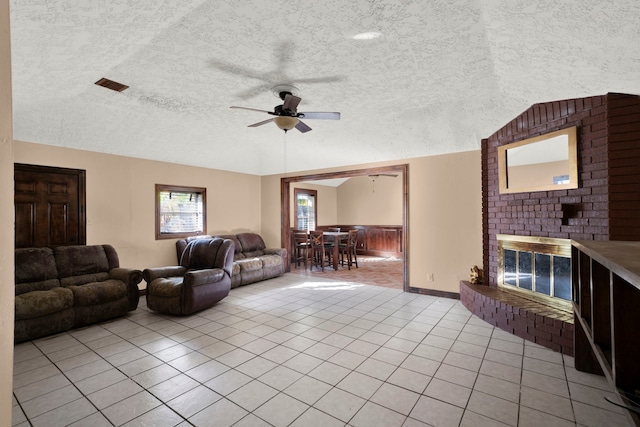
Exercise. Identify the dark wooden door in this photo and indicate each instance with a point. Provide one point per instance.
(49, 206)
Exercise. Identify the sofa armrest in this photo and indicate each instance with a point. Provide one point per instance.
(127, 275)
(276, 251)
(202, 277)
(151, 274)
(131, 278)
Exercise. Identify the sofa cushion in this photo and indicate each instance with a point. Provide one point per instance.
(251, 242)
(238, 245)
(271, 260)
(84, 261)
(45, 285)
(41, 303)
(98, 292)
(250, 264)
(84, 279)
(165, 287)
(35, 270)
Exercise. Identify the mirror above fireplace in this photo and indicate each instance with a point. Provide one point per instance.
(546, 162)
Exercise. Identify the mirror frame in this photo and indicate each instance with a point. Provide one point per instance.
(573, 162)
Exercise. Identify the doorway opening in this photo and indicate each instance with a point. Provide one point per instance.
(401, 170)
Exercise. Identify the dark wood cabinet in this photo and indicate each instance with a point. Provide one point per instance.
(606, 298)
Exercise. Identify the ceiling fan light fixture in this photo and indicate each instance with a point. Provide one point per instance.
(286, 123)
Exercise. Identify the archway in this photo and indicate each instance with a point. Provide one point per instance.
(401, 170)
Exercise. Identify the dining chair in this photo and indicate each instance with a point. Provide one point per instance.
(348, 250)
(318, 252)
(300, 247)
(329, 244)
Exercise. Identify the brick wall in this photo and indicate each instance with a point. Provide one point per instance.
(606, 206)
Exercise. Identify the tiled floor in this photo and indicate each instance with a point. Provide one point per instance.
(304, 351)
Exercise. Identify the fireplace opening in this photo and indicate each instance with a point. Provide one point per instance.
(539, 267)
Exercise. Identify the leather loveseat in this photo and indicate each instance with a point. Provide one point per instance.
(252, 261)
(68, 287)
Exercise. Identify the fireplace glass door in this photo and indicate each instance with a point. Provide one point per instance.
(539, 266)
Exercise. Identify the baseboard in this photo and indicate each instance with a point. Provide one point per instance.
(434, 292)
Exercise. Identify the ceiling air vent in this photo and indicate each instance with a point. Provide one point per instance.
(110, 84)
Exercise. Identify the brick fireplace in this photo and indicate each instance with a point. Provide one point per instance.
(605, 206)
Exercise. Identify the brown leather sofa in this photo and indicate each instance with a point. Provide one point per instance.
(252, 261)
(201, 280)
(70, 286)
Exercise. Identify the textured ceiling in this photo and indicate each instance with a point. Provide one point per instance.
(443, 75)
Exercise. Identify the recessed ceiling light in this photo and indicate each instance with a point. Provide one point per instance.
(370, 35)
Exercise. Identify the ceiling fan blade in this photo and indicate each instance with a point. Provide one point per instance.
(264, 122)
(321, 115)
(283, 54)
(302, 127)
(254, 91)
(228, 67)
(250, 109)
(328, 79)
(291, 102)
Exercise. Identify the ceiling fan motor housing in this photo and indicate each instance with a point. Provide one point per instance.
(279, 110)
(284, 93)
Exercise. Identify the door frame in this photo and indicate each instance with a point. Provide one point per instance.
(82, 193)
(285, 206)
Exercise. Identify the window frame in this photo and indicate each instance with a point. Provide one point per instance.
(308, 192)
(160, 188)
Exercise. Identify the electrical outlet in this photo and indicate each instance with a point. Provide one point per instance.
(429, 277)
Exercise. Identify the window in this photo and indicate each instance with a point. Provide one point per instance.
(306, 208)
(180, 211)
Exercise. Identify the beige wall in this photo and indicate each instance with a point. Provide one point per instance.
(358, 201)
(121, 204)
(326, 202)
(445, 216)
(363, 202)
(6, 221)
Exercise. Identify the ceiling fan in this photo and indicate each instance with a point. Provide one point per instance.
(286, 115)
(283, 56)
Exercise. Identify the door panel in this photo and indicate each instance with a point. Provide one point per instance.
(49, 206)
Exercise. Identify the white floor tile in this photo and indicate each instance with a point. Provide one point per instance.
(436, 413)
(340, 404)
(308, 390)
(224, 412)
(373, 415)
(360, 384)
(252, 395)
(281, 411)
(287, 352)
(193, 401)
(396, 398)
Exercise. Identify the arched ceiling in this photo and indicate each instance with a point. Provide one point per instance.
(442, 75)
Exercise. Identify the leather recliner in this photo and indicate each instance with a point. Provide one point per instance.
(201, 280)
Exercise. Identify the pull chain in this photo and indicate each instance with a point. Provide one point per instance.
(284, 145)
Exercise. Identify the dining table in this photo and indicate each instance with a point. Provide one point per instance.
(335, 237)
